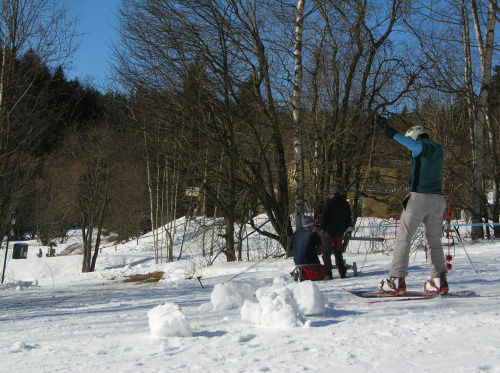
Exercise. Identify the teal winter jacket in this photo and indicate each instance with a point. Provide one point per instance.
(426, 165)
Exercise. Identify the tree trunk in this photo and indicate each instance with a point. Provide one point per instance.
(96, 249)
(486, 55)
(496, 176)
(100, 225)
(151, 197)
(230, 252)
(87, 230)
(297, 117)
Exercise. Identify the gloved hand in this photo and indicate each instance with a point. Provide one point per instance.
(383, 124)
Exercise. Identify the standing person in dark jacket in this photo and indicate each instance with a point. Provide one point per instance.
(425, 204)
(304, 241)
(335, 220)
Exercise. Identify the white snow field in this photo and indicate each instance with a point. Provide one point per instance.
(247, 316)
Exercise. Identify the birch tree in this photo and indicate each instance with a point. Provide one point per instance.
(481, 119)
(297, 115)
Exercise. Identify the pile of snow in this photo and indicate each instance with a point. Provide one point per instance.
(231, 295)
(19, 285)
(279, 305)
(168, 320)
(276, 307)
(73, 249)
(310, 300)
(284, 305)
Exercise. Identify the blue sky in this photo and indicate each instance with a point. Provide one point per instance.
(97, 19)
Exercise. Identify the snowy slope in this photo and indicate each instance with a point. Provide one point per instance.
(55, 319)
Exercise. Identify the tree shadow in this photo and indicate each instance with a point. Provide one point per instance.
(332, 317)
(209, 334)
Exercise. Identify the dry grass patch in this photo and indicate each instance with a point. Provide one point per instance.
(145, 278)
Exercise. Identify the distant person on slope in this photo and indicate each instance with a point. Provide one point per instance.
(424, 204)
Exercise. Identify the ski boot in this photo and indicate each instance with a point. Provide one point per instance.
(393, 286)
(437, 285)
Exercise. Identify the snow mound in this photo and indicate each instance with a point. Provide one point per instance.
(168, 320)
(73, 249)
(310, 300)
(284, 305)
(279, 308)
(19, 285)
(21, 346)
(231, 295)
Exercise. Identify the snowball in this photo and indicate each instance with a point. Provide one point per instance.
(21, 346)
(310, 300)
(231, 295)
(168, 320)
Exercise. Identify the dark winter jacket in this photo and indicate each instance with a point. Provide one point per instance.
(303, 244)
(336, 216)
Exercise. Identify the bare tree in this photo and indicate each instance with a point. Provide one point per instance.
(92, 158)
(220, 48)
(357, 69)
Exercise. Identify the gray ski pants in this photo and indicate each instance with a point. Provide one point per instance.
(427, 209)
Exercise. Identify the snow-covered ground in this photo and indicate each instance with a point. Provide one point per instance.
(242, 317)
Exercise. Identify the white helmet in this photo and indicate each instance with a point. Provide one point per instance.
(416, 131)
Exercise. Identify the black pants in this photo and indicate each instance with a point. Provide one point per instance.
(333, 245)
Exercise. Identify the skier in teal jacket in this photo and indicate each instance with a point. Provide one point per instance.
(424, 204)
